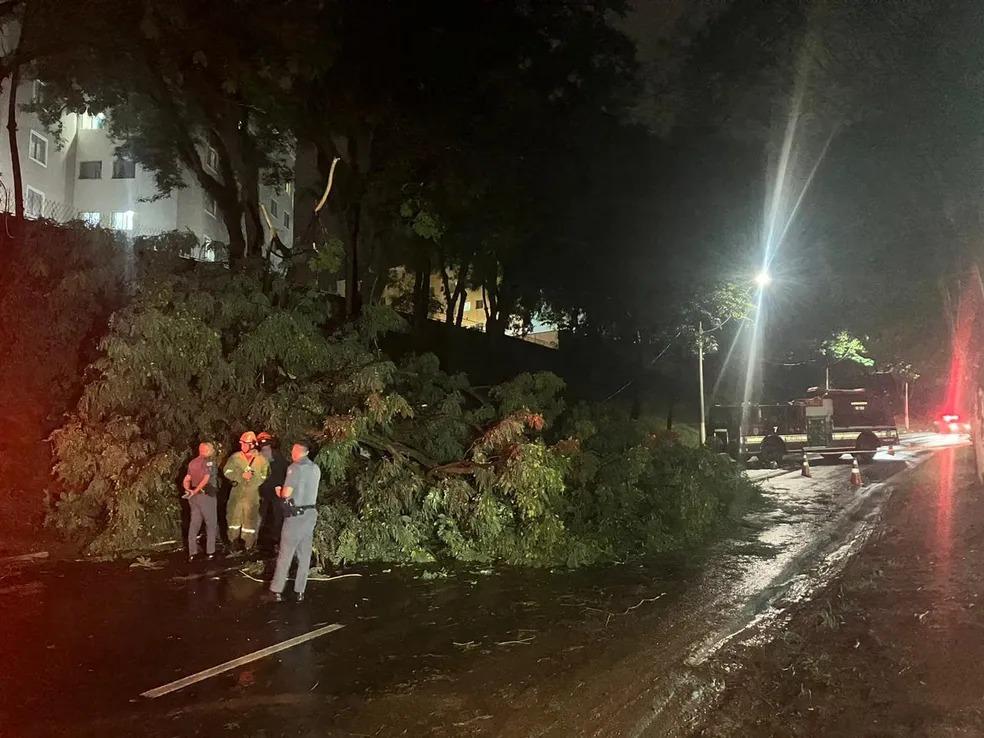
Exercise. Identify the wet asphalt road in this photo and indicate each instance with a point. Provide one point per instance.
(611, 651)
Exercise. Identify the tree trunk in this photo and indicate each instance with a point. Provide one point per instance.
(353, 297)
(461, 304)
(253, 218)
(448, 294)
(14, 150)
(232, 217)
(460, 292)
(499, 315)
(421, 294)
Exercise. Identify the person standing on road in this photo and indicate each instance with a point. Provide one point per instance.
(200, 485)
(300, 495)
(246, 469)
(271, 507)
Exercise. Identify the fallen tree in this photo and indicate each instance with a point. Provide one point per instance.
(418, 465)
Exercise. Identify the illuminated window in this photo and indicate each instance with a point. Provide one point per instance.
(90, 170)
(124, 168)
(89, 122)
(38, 149)
(90, 219)
(33, 203)
(212, 160)
(211, 207)
(467, 306)
(288, 188)
(274, 209)
(123, 220)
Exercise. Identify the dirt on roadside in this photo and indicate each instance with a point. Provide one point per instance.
(895, 646)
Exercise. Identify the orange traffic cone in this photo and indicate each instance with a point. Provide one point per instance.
(856, 475)
(805, 468)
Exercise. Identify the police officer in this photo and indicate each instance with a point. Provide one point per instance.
(271, 507)
(246, 469)
(300, 494)
(200, 485)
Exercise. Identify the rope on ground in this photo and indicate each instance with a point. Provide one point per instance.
(630, 609)
(315, 578)
(520, 642)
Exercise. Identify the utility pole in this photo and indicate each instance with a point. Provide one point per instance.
(905, 403)
(702, 431)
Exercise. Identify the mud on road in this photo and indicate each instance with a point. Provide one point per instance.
(895, 645)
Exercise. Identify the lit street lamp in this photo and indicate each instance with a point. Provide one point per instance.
(762, 280)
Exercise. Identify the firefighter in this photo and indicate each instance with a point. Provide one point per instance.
(246, 469)
(300, 495)
(201, 484)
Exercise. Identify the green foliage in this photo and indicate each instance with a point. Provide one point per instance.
(844, 346)
(61, 283)
(418, 466)
(328, 257)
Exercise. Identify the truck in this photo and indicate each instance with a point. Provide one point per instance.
(830, 422)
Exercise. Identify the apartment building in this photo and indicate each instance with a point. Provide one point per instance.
(473, 316)
(79, 176)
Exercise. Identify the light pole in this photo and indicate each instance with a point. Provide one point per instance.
(763, 279)
(700, 376)
(906, 402)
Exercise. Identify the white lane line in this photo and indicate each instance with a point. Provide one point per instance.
(262, 653)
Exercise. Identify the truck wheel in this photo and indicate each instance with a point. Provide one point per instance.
(865, 447)
(773, 450)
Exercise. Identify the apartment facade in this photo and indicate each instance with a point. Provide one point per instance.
(79, 176)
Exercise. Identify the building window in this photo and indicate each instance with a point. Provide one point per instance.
(467, 306)
(288, 188)
(479, 304)
(124, 168)
(90, 170)
(38, 149)
(274, 209)
(89, 122)
(90, 219)
(33, 203)
(286, 219)
(212, 160)
(38, 92)
(211, 207)
(123, 220)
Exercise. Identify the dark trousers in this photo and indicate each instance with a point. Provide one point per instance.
(203, 510)
(271, 519)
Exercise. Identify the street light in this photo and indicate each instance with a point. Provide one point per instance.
(763, 279)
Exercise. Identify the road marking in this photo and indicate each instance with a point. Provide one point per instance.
(228, 665)
(24, 557)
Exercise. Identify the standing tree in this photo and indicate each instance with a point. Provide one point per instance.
(193, 89)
